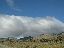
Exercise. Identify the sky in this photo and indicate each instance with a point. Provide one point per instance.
(33, 8)
(31, 17)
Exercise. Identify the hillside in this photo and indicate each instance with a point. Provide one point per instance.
(41, 41)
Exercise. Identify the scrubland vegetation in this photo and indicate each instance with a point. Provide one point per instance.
(42, 41)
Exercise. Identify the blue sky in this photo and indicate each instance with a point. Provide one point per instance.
(33, 8)
(19, 17)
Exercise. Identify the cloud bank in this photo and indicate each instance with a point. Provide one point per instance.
(14, 26)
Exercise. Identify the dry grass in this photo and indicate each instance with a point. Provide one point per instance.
(54, 43)
(8, 44)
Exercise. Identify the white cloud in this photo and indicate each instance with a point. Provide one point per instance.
(12, 4)
(12, 26)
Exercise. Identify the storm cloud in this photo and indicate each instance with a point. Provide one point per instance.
(14, 26)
